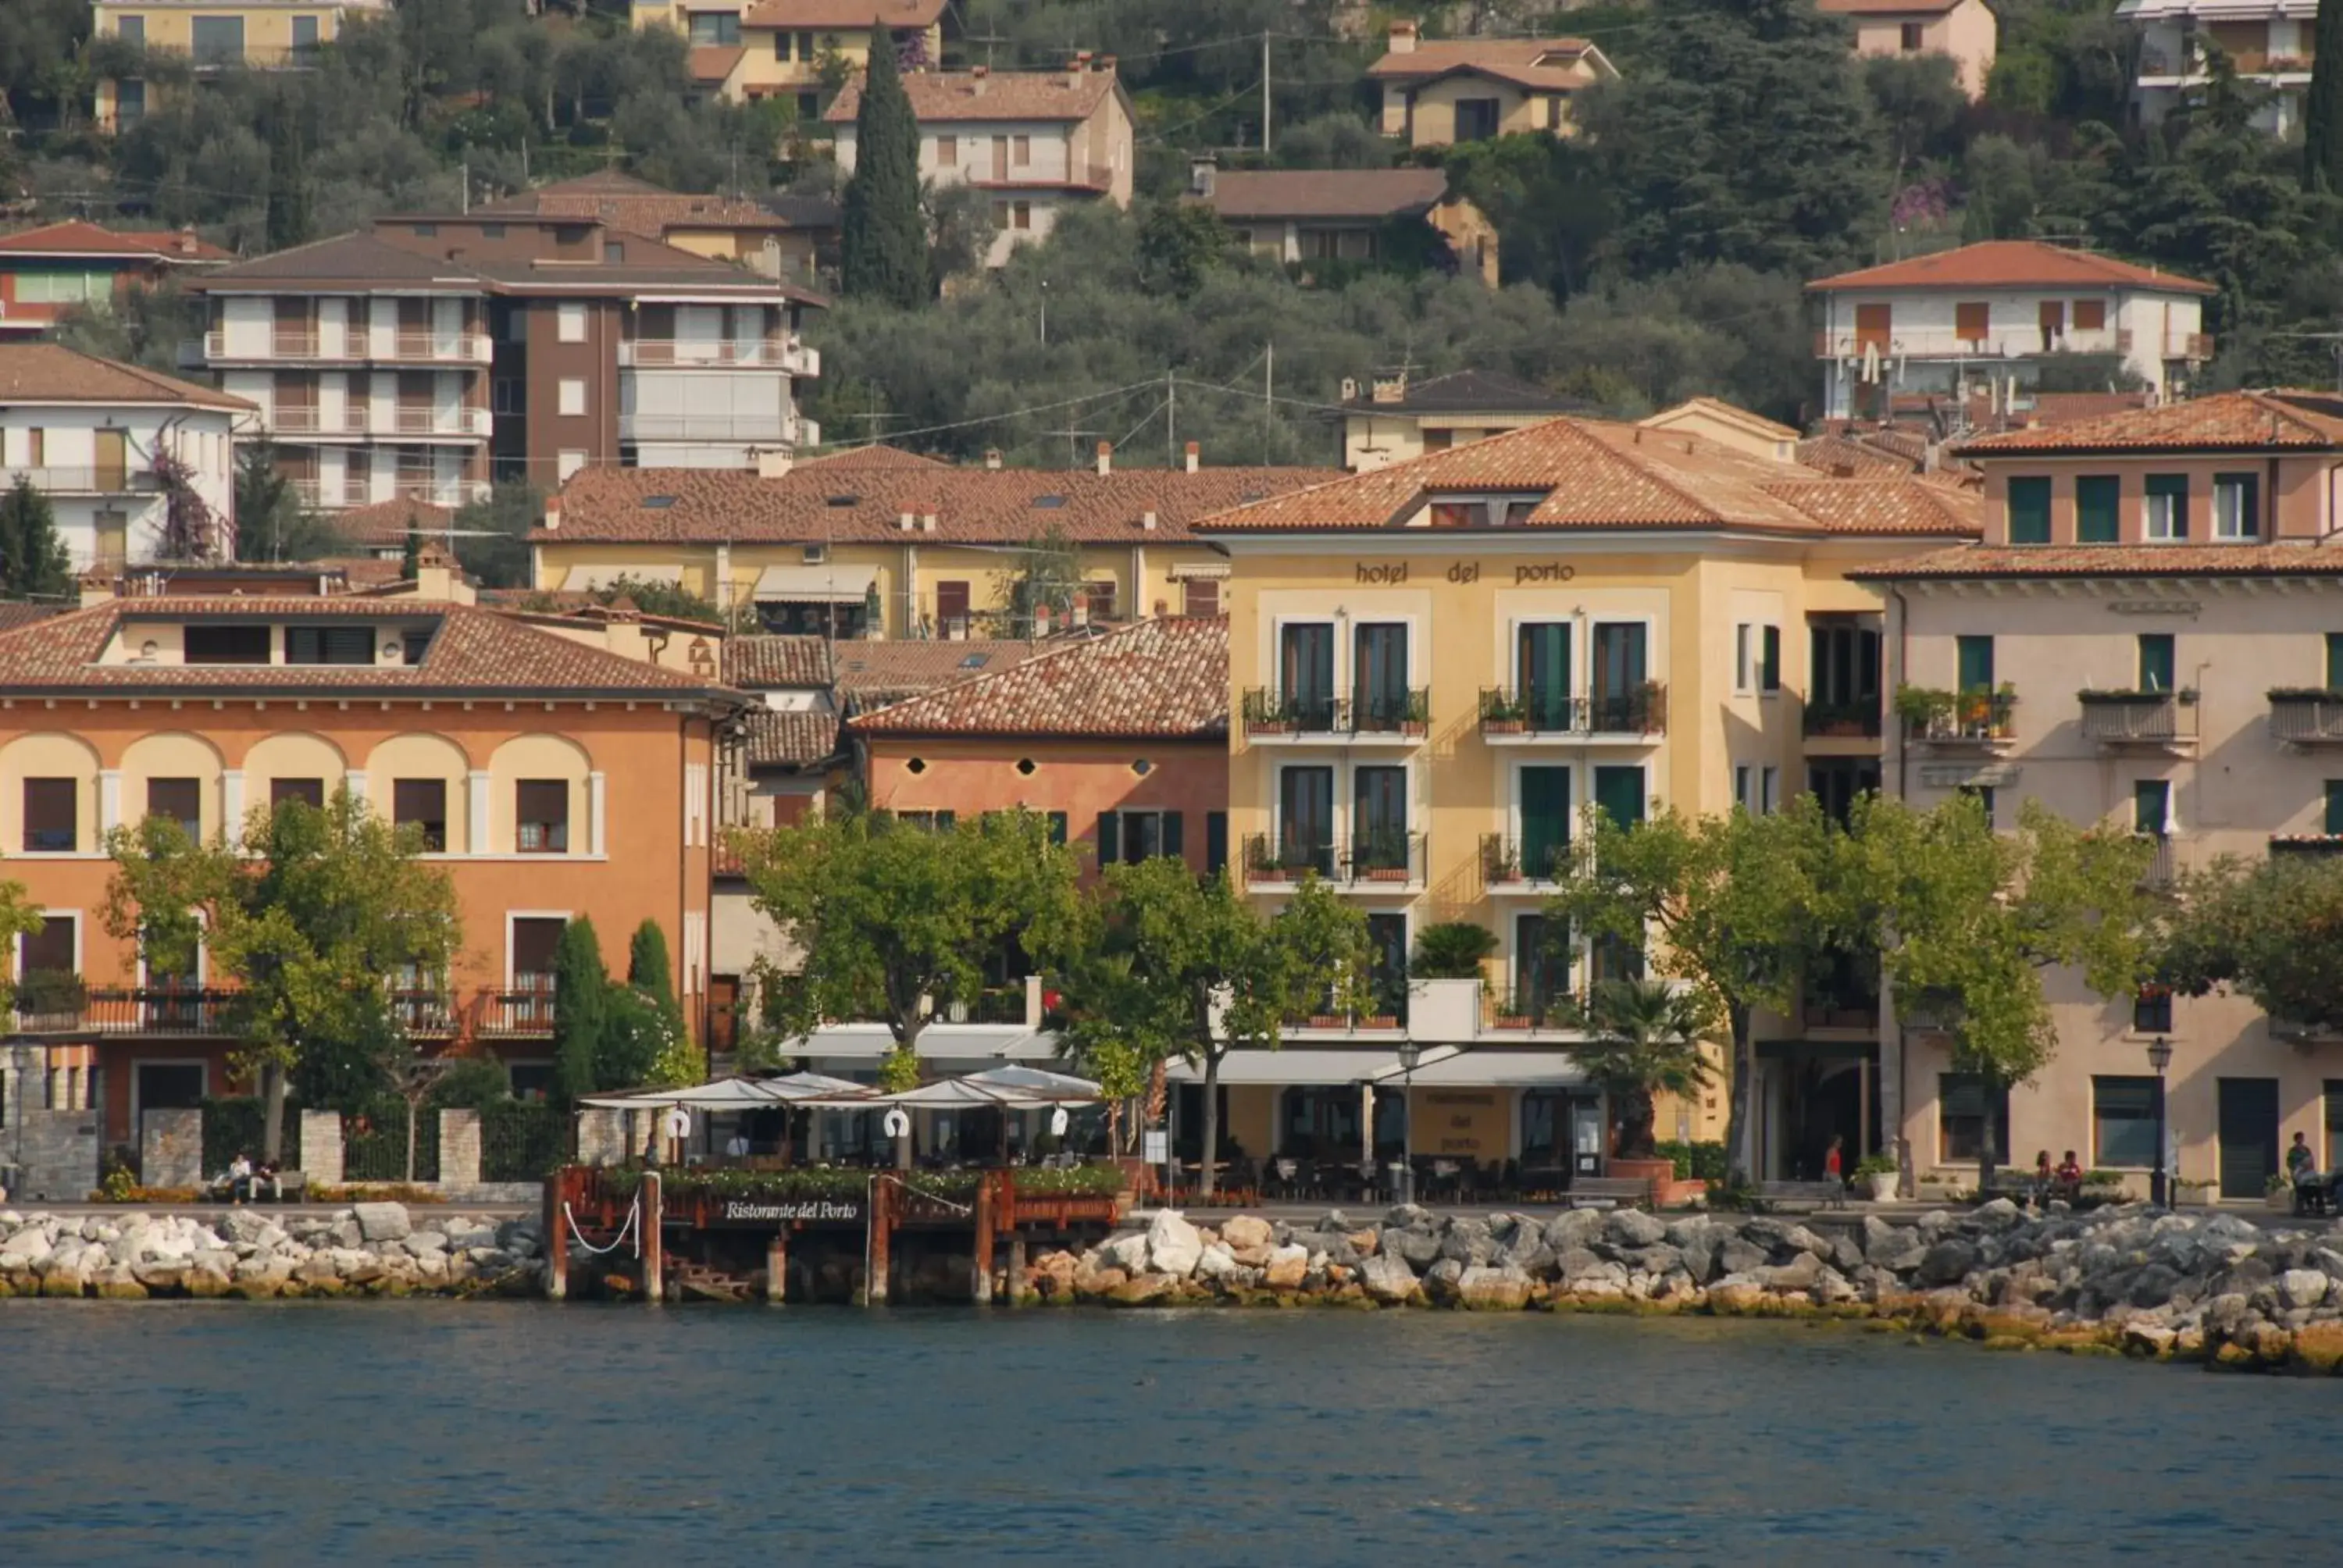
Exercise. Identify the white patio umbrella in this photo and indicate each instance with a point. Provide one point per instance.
(1034, 1083)
(738, 1093)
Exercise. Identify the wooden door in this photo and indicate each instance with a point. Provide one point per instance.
(723, 1012)
(1001, 158)
(1873, 324)
(113, 461)
(2052, 314)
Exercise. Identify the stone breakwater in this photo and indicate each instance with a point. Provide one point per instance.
(369, 1250)
(2132, 1280)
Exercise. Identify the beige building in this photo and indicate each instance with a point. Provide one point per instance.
(1035, 142)
(2271, 43)
(1394, 418)
(793, 49)
(1438, 665)
(1712, 419)
(216, 34)
(2145, 638)
(1436, 92)
(1302, 215)
(1965, 29)
(790, 238)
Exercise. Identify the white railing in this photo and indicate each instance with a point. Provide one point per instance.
(660, 352)
(306, 345)
(2012, 342)
(773, 427)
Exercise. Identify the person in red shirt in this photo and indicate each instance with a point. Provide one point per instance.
(1833, 1159)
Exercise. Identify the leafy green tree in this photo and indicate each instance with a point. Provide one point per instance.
(581, 1006)
(883, 239)
(1451, 949)
(142, 327)
(1920, 104)
(32, 560)
(1204, 973)
(675, 1059)
(1182, 241)
(2322, 107)
(1738, 907)
(2270, 930)
(1969, 918)
(19, 918)
(895, 919)
(1043, 582)
(492, 536)
(271, 523)
(1644, 1039)
(308, 913)
(288, 182)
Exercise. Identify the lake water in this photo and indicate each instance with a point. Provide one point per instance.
(506, 1432)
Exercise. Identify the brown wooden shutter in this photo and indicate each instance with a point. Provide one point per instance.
(51, 813)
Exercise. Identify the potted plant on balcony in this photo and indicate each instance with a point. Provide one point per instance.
(1877, 1174)
(54, 997)
(1263, 864)
(1500, 861)
(1503, 714)
(1924, 710)
(1382, 857)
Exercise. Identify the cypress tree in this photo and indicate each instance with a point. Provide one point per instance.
(883, 247)
(33, 559)
(648, 969)
(581, 997)
(2322, 109)
(410, 554)
(289, 181)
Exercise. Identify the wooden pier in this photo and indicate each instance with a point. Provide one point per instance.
(731, 1234)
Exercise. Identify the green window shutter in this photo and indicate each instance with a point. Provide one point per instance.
(1976, 663)
(1171, 833)
(1057, 827)
(1110, 838)
(2029, 511)
(2098, 509)
(2156, 661)
(1769, 662)
(2335, 661)
(1545, 819)
(1619, 792)
(2174, 488)
(2335, 806)
(1216, 840)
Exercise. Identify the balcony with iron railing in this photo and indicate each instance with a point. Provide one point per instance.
(1969, 720)
(789, 354)
(1284, 859)
(73, 480)
(2017, 339)
(306, 345)
(1854, 718)
(775, 430)
(1508, 867)
(2121, 719)
(2305, 846)
(1531, 1007)
(1401, 717)
(2163, 861)
(1384, 860)
(2307, 715)
(1533, 714)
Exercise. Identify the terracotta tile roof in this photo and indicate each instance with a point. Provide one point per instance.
(2066, 407)
(879, 454)
(348, 258)
(759, 661)
(1325, 193)
(409, 264)
(2225, 422)
(866, 675)
(472, 652)
(76, 237)
(1546, 63)
(1898, 504)
(637, 206)
(779, 737)
(1724, 412)
(2012, 264)
(39, 373)
(1591, 474)
(1849, 458)
(1159, 678)
(1885, 7)
(818, 503)
(388, 523)
(1003, 96)
(843, 14)
(1469, 392)
(2282, 559)
(15, 613)
(716, 62)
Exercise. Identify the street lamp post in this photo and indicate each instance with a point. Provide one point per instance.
(1410, 1053)
(2160, 1057)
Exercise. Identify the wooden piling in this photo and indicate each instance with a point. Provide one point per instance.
(557, 1238)
(654, 1240)
(981, 1273)
(878, 1226)
(1016, 1268)
(776, 1267)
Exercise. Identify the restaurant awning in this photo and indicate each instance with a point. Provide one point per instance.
(735, 1093)
(593, 579)
(937, 1042)
(837, 584)
(1441, 1067)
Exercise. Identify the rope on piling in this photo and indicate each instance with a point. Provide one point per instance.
(634, 1225)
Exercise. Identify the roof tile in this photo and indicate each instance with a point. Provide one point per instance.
(2011, 264)
(2283, 560)
(786, 738)
(76, 238)
(1167, 678)
(997, 95)
(1557, 65)
(51, 373)
(1242, 194)
(761, 661)
(2227, 421)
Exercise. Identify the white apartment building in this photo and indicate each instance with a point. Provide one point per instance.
(2268, 42)
(1036, 142)
(1989, 316)
(87, 431)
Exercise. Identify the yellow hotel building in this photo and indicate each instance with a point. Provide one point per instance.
(263, 35)
(879, 543)
(1436, 666)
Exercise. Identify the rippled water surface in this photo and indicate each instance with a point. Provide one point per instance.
(432, 1433)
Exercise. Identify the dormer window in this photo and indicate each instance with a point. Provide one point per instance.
(227, 645)
(330, 645)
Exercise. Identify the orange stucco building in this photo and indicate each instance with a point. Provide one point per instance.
(557, 767)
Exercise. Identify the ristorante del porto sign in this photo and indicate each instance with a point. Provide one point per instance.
(792, 1210)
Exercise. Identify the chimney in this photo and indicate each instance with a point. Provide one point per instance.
(1193, 452)
(906, 521)
(553, 511)
(1402, 38)
(978, 79)
(774, 462)
(1105, 64)
(1391, 388)
(1204, 172)
(436, 576)
(992, 456)
(1147, 522)
(1077, 68)
(96, 588)
(928, 523)
(1105, 458)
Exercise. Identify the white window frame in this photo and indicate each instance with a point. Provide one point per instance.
(81, 937)
(1744, 658)
(1769, 790)
(2232, 521)
(1741, 782)
(564, 916)
(567, 464)
(572, 396)
(2161, 519)
(569, 321)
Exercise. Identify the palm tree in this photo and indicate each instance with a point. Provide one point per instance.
(1646, 1038)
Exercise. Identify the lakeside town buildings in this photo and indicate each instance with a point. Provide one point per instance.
(214, 36)
(48, 270)
(1965, 30)
(1438, 92)
(2270, 42)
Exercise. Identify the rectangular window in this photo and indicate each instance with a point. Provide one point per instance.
(2029, 510)
(1967, 1114)
(1744, 657)
(535, 939)
(947, 152)
(1619, 703)
(573, 395)
(310, 792)
(2333, 817)
(1974, 662)
(2236, 506)
(177, 800)
(541, 816)
(51, 949)
(806, 53)
(952, 607)
(1619, 793)
(1020, 151)
(1912, 36)
(2156, 660)
(226, 645)
(1021, 215)
(330, 645)
(1545, 821)
(1769, 785)
(2098, 509)
(52, 816)
(715, 29)
(1058, 824)
(2090, 315)
(1305, 812)
(508, 395)
(1741, 796)
(1378, 675)
(928, 821)
(566, 463)
(1216, 842)
(1769, 659)
(569, 321)
(424, 803)
(130, 97)
(131, 30)
(305, 36)
(2335, 661)
(2166, 516)
(2151, 1010)
(1127, 838)
(2123, 1121)
(1200, 599)
(2151, 807)
(1972, 321)
(217, 40)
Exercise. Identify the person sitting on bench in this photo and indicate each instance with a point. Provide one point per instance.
(239, 1178)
